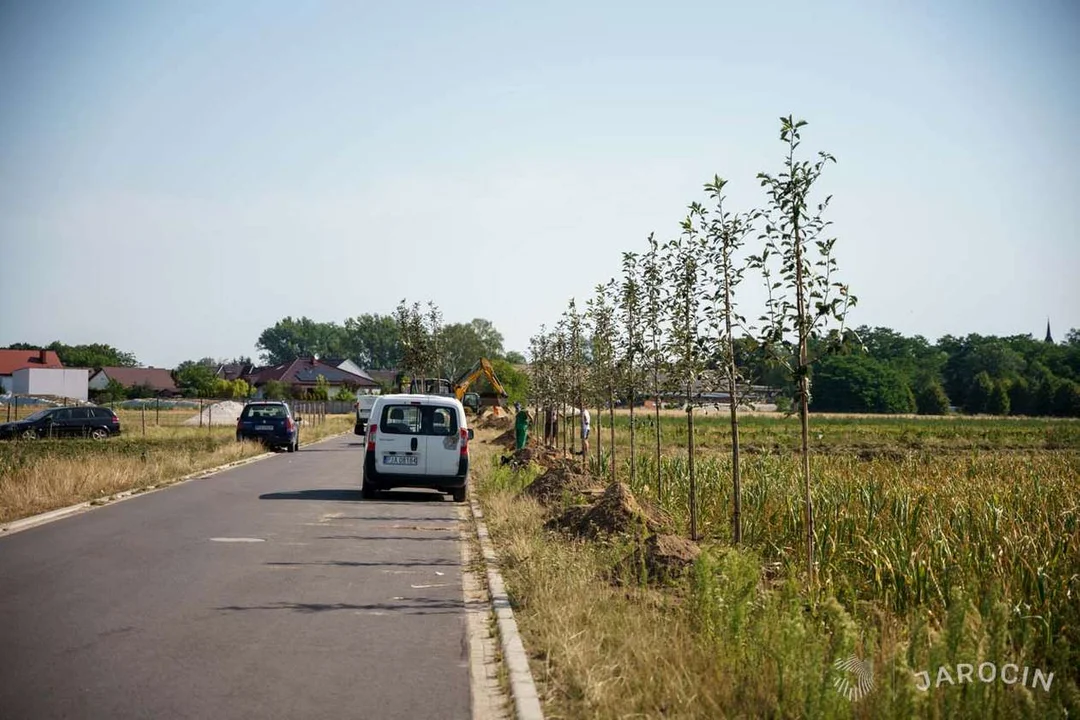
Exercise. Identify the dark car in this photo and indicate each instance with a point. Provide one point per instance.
(270, 423)
(84, 421)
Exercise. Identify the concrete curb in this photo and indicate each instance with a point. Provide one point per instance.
(522, 687)
(34, 520)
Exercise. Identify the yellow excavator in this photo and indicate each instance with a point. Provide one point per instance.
(472, 400)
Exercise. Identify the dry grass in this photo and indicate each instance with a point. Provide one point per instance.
(39, 476)
(950, 543)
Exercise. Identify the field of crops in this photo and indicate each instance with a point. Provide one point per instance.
(940, 543)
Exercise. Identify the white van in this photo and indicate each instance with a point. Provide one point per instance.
(419, 441)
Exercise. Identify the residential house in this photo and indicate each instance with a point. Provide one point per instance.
(158, 380)
(301, 376)
(12, 360)
(235, 371)
(349, 366)
(385, 378)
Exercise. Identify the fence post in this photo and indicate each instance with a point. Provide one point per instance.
(9, 409)
(16, 407)
(200, 412)
(157, 412)
(210, 417)
(142, 412)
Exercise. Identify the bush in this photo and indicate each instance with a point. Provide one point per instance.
(1067, 399)
(276, 390)
(998, 403)
(978, 400)
(345, 395)
(858, 383)
(1020, 397)
(931, 399)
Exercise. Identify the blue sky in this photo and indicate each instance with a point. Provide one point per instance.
(177, 176)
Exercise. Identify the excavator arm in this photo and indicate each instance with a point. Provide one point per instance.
(481, 368)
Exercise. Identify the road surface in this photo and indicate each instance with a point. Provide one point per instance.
(268, 591)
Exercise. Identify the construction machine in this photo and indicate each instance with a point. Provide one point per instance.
(481, 368)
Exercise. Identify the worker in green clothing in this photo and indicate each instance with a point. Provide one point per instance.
(521, 426)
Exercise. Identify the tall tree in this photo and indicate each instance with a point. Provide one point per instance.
(290, 339)
(726, 234)
(805, 297)
(373, 341)
(632, 345)
(652, 276)
(687, 344)
(601, 315)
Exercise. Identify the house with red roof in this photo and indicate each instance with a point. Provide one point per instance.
(302, 375)
(13, 360)
(159, 380)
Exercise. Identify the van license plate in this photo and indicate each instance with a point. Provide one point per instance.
(264, 427)
(400, 459)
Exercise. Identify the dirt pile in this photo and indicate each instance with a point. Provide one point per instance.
(490, 422)
(668, 556)
(222, 413)
(533, 452)
(618, 512)
(659, 559)
(562, 478)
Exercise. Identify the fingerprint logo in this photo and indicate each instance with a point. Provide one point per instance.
(856, 678)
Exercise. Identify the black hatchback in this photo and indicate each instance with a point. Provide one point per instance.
(84, 421)
(270, 423)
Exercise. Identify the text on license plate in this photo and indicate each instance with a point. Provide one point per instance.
(264, 427)
(400, 459)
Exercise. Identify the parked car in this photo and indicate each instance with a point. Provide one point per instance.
(419, 441)
(271, 423)
(363, 413)
(81, 421)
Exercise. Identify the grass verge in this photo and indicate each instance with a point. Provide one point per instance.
(43, 475)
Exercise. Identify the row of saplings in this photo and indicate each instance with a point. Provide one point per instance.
(580, 508)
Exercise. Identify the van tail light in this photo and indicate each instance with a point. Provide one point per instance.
(371, 428)
(464, 442)
(289, 424)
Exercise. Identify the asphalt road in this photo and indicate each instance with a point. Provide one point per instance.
(162, 607)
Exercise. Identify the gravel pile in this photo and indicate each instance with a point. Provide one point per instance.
(222, 413)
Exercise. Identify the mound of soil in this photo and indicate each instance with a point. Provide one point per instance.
(562, 477)
(491, 422)
(660, 559)
(569, 520)
(668, 556)
(618, 512)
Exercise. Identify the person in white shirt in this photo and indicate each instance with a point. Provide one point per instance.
(585, 426)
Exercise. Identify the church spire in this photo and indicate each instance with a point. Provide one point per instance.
(1049, 337)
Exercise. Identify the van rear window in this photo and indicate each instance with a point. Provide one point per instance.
(418, 420)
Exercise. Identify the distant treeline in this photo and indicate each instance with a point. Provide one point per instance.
(874, 370)
(880, 370)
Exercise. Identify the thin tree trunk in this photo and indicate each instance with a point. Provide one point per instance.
(563, 424)
(736, 480)
(690, 449)
(599, 451)
(633, 431)
(611, 410)
(804, 400)
(656, 410)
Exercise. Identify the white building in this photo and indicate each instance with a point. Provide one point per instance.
(69, 383)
